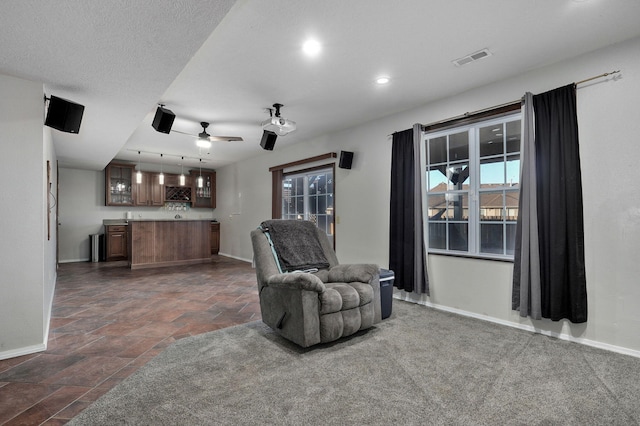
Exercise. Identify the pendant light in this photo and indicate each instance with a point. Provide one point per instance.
(139, 173)
(182, 178)
(200, 180)
(161, 176)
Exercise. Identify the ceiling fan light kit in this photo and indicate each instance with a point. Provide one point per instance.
(203, 143)
(204, 140)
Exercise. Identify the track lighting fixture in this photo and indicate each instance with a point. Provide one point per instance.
(139, 172)
(200, 180)
(161, 175)
(182, 178)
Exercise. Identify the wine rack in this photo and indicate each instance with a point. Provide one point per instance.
(178, 193)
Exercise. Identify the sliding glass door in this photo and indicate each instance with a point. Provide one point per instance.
(308, 195)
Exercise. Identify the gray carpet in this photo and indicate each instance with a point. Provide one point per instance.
(420, 366)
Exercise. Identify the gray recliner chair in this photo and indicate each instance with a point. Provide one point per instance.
(305, 294)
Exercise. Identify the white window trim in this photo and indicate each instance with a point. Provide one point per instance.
(474, 186)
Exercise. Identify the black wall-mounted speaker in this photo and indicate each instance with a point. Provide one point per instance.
(346, 159)
(268, 140)
(163, 120)
(64, 115)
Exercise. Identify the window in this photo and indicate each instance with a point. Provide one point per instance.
(308, 195)
(472, 181)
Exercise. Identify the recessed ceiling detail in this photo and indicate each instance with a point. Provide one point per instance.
(472, 57)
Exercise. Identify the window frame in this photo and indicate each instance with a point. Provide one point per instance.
(474, 190)
(305, 174)
(278, 172)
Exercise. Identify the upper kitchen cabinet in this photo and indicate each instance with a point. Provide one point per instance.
(149, 192)
(174, 192)
(205, 195)
(118, 184)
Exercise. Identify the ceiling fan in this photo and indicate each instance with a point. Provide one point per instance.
(204, 139)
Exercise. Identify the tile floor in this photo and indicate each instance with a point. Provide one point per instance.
(108, 321)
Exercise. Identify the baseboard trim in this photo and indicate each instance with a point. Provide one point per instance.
(27, 350)
(219, 254)
(561, 336)
(235, 257)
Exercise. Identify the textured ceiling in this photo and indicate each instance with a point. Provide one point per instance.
(115, 57)
(225, 62)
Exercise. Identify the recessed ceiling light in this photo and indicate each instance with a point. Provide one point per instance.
(311, 47)
(383, 80)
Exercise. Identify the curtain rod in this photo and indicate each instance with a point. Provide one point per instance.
(507, 104)
(597, 76)
(469, 114)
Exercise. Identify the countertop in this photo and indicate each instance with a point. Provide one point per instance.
(126, 221)
(115, 222)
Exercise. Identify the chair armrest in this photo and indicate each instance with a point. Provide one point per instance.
(363, 273)
(296, 280)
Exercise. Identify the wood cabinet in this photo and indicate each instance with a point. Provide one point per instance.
(116, 242)
(204, 196)
(215, 237)
(169, 242)
(119, 184)
(174, 192)
(171, 179)
(149, 192)
(121, 188)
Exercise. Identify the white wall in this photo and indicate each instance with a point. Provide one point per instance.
(49, 227)
(27, 257)
(82, 211)
(609, 129)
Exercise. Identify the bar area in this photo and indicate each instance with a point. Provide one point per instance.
(171, 242)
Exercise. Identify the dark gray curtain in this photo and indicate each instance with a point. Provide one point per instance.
(558, 188)
(526, 265)
(407, 254)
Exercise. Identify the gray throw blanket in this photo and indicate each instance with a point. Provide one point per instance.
(296, 244)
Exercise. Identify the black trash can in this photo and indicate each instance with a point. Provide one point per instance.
(386, 292)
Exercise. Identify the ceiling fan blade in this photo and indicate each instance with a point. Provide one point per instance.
(212, 138)
(183, 133)
(225, 138)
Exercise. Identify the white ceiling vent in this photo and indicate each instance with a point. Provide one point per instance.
(472, 57)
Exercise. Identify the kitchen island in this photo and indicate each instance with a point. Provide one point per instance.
(170, 242)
